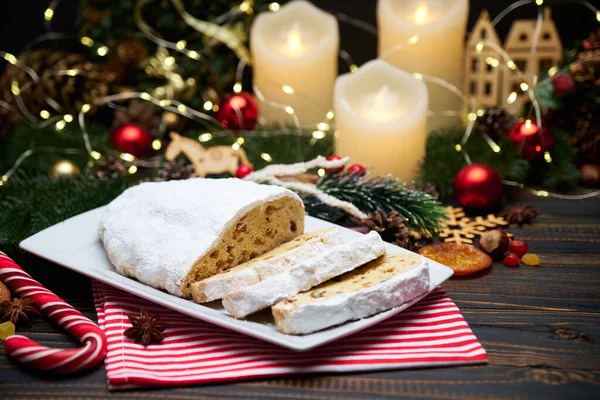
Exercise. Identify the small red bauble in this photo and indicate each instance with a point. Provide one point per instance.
(243, 171)
(130, 138)
(512, 260)
(238, 111)
(478, 186)
(518, 247)
(532, 140)
(563, 84)
(334, 170)
(357, 169)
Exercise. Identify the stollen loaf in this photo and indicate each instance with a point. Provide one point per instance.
(269, 264)
(169, 235)
(301, 277)
(380, 285)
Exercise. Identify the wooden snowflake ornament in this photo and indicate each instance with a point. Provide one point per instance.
(461, 229)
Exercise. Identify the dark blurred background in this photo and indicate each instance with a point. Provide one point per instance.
(22, 20)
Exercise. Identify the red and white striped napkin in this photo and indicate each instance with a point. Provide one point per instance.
(431, 333)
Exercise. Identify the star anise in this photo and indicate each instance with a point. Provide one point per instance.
(519, 214)
(18, 310)
(390, 227)
(146, 329)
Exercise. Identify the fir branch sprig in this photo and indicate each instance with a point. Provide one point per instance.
(31, 204)
(421, 212)
(442, 162)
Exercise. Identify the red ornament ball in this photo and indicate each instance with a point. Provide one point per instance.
(130, 138)
(532, 140)
(243, 171)
(478, 186)
(563, 84)
(238, 111)
(357, 169)
(334, 170)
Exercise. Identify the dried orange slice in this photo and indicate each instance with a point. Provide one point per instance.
(464, 259)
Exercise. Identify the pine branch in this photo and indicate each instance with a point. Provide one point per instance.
(31, 204)
(421, 211)
(442, 162)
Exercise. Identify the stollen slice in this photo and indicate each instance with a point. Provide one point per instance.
(380, 285)
(267, 265)
(303, 276)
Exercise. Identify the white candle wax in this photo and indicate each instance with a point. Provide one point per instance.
(427, 37)
(380, 117)
(295, 53)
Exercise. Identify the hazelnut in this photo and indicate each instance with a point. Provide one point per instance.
(494, 243)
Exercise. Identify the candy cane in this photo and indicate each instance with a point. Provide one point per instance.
(28, 352)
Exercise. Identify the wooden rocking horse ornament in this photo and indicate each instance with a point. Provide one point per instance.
(206, 160)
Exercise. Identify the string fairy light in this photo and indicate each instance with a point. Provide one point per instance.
(528, 89)
(216, 32)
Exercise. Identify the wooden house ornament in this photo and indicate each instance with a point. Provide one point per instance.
(497, 86)
(483, 82)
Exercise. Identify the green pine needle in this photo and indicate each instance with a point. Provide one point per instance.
(31, 204)
(422, 213)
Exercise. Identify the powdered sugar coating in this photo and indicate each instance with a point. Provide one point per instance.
(248, 274)
(155, 232)
(362, 303)
(303, 276)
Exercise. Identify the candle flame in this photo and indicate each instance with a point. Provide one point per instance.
(528, 124)
(421, 14)
(294, 37)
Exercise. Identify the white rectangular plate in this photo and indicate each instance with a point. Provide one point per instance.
(74, 244)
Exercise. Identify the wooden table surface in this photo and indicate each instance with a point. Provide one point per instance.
(540, 327)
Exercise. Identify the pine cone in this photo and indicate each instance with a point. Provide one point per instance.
(132, 51)
(141, 114)
(390, 227)
(175, 171)
(426, 187)
(495, 122)
(587, 71)
(108, 168)
(68, 92)
(409, 243)
(587, 138)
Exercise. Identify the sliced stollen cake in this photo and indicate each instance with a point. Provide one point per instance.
(387, 282)
(311, 272)
(264, 266)
(171, 234)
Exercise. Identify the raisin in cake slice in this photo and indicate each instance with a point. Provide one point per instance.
(269, 264)
(171, 234)
(385, 283)
(303, 276)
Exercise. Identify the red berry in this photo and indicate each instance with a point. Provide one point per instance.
(334, 170)
(512, 260)
(243, 171)
(518, 247)
(357, 169)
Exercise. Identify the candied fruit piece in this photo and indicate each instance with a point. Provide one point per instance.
(518, 247)
(531, 260)
(511, 260)
(6, 329)
(464, 259)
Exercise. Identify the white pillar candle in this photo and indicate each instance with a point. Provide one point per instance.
(380, 117)
(295, 53)
(427, 37)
